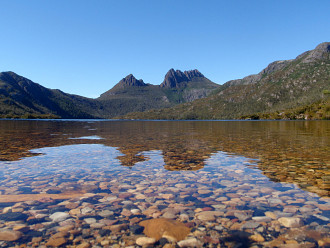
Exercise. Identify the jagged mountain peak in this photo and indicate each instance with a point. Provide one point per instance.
(174, 78)
(127, 82)
(130, 80)
(193, 73)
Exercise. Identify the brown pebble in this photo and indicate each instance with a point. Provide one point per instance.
(208, 215)
(126, 212)
(167, 196)
(72, 205)
(290, 221)
(155, 228)
(21, 227)
(144, 241)
(10, 235)
(36, 239)
(325, 242)
(169, 245)
(59, 235)
(65, 228)
(116, 228)
(75, 211)
(55, 242)
(84, 245)
(257, 238)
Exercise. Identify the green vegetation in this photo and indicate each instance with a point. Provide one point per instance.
(292, 89)
(29, 116)
(289, 88)
(120, 101)
(20, 97)
(317, 111)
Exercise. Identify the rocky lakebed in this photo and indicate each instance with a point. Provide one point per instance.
(163, 187)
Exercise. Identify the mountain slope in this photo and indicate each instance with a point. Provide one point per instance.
(282, 85)
(319, 110)
(20, 96)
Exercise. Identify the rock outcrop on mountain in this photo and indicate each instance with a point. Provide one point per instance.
(193, 74)
(173, 79)
(322, 51)
(251, 79)
(177, 79)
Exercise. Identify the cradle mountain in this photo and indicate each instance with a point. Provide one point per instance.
(20, 97)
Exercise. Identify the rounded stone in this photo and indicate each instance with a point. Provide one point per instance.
(90, 220)
(208, 215)
(142, 241)
(156, 228)
(257, 238)
(290, 222)
(191, 242)
(10, 235)
(59, 216)
(56, 242)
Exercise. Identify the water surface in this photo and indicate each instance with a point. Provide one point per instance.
(180, 170)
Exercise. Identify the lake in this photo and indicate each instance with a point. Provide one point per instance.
(93, 183)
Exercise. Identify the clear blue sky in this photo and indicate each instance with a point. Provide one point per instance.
(86, 47)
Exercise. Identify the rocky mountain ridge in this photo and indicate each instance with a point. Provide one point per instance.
(178, 87)
(282, 85)
(175, 79)
(254, 78)
(20, 96)
(320, 52)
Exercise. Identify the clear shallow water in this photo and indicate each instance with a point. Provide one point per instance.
(241, 171)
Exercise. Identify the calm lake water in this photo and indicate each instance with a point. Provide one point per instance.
(232, 183)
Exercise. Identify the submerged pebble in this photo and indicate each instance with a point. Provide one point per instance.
(171, 194)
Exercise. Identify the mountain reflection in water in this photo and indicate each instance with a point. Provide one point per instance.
(286, 151)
